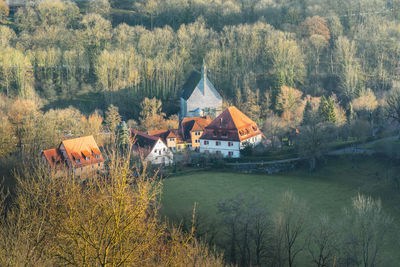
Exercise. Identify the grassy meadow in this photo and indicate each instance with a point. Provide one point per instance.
(326, 191)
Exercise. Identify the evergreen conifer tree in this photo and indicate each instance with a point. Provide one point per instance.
(122, 135)
(307, 116)
(327, 110)
(276, 89)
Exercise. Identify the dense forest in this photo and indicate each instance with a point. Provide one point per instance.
(100, 53)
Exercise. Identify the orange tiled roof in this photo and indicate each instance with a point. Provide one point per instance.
(78, 149)
(231, 125)
(158, 132)
(173, 134)
(190, 124)
(164, 134)
(53, 157)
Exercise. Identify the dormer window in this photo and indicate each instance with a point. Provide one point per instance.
(224, 134)
(78, 160)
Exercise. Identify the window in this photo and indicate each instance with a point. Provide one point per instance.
(98, 165)
(205, 142)
(218, 152)
(230, 143)
(88, 158)
(97, 156)
(77, 160)
(217, 143)
(230, 153)
(159, 152)
(224, 134)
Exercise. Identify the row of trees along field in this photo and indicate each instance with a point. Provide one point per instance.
(252, 234)
(63, 52)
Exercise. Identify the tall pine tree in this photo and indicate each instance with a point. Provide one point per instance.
(307, 115)
(122, 135)
(327, 110)
(276, 89)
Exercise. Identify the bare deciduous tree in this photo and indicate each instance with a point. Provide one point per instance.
(323, 242)
(365, 228)
(290, 228)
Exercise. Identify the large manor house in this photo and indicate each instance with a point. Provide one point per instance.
(204, 127)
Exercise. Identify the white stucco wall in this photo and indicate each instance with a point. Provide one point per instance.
(160, 154)
(223, 147)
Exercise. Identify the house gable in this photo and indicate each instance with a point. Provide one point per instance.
(199, 96)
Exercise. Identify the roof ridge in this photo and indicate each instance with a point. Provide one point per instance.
(233, 120)
(143, 134)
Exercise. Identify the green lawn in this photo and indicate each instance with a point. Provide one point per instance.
(326, 191)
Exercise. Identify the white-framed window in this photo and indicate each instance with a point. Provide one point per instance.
(230, 153)
(217, 143)
(230, 143)
(205, 142)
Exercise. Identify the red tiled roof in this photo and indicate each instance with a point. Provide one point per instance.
(231, 125)
(142, 142)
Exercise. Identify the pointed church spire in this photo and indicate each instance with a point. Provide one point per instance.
(204, 70)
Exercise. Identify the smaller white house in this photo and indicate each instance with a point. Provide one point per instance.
(151, 148)
(229, 133)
